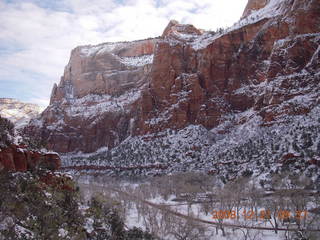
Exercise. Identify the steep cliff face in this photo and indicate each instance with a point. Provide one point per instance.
(210, 100)
(199, 84)
(94, 103)
(109, 68)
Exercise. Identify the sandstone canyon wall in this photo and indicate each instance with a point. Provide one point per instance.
(94, 103)
(266, 63)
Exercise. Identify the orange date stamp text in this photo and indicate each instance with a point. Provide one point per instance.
(262, 214)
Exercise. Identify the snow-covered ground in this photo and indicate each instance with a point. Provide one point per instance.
(231, 149)
(137, 211)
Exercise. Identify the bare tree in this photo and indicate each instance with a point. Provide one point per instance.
(182, 229)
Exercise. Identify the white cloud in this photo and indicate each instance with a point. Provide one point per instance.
(91, 7)
(37, 39)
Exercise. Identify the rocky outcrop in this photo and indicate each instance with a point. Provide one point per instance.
(174, 28)
(254, 5)
(19, 158)
(115, 90)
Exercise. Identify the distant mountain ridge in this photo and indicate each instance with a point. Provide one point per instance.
(18, 112)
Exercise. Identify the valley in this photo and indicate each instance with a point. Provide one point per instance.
(191, 135)
(183, 205)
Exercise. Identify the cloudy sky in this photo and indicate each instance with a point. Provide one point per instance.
(36, 36)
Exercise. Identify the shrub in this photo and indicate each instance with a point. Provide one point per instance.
(6, 131)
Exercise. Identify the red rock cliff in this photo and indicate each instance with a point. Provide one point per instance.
(18, 158)
(111, 91)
